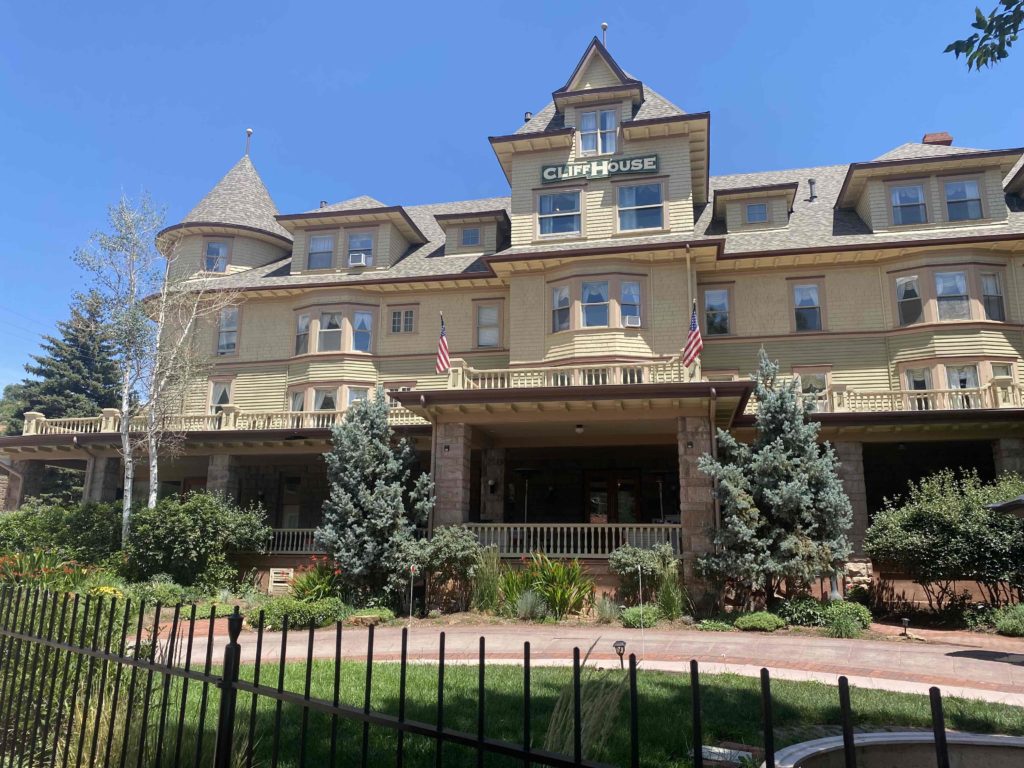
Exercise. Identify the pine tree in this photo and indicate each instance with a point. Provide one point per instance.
(375, 505)
(74, 374)
(784, 513)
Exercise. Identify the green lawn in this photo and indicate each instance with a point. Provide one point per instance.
(731, 711)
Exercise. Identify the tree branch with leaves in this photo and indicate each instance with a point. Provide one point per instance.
(996, 34)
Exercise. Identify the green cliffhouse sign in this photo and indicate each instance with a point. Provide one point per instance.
(599, 169)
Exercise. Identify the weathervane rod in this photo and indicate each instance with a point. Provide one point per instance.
(248, 139)
(604, 33)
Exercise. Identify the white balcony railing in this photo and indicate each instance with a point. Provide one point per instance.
(294, 541)
(670, 371)
(583, 540)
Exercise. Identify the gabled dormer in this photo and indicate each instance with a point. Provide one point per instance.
(929, 185)
(474, 233)
(744, 209)
(353, 236)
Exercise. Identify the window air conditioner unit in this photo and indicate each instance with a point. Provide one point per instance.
(357, 260)
(633, 321)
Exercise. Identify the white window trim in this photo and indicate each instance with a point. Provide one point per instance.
(606, 303)
(596, 112)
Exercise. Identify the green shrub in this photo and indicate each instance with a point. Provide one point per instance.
(714, 625)
(562, 584)
(512, 583)
(607, 610)
(1010, 620)
(759, 621)
(487, 580)
(451, 558)
(629, 563)
(189, 538)
(88, 533)
(670, 592)
(842, 626)
(300, 613)
(979, 617)
(316, 581)
(802, 611)
(845, 609)
(640, 616)
(530, 606)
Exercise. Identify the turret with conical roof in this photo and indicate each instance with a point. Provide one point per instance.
(238, 216)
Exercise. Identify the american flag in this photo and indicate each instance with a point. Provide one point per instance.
(444, 362)
(694, 343)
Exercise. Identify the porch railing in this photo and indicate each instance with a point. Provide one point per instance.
(294, 541)
(839, 399)
(672, 370)
(584, 540)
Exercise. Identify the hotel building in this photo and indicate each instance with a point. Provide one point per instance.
(893, 288)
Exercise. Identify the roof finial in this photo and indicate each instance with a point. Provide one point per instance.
(248, 139)
(604, 33)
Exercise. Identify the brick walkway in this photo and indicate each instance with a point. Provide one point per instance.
(984, 667)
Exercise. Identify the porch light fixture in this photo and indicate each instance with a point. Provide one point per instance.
(579, 429)
(620, 650)
(689, 445)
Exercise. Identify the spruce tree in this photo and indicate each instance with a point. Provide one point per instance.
(74, 374)
(784, 513)
(375, 504)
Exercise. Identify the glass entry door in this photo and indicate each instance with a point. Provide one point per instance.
(612, 496)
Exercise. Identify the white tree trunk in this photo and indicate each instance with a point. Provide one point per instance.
(152, 447)
(129, 459)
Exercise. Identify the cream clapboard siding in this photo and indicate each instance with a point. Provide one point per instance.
(188, 255)
(595, 74)
(875, 208)
(598, 198)
(458, 309)
(529, 314)
(261, 389)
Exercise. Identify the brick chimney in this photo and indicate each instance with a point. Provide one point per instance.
(940, 139)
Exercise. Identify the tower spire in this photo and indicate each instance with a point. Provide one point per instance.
(248, 139)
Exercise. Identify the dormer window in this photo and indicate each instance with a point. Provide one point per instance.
(217, 254)
(963, 200)
(470, 237)
(360, 249)
(908, 205)
(598, 132)
(321, 251)
(757, 213)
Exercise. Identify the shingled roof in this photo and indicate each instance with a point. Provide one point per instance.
(240, 199)
(550, 119)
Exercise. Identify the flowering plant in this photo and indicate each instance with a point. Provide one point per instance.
(317, 580)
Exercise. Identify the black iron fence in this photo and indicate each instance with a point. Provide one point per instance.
(95, 681)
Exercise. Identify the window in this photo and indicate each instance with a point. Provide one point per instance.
(595, 304)
(360, 249)
(597, 132)
(813, 382)
(470, 236)
(216, 256)
(951, 292)
(321, 251)
(560, 309)
(220, 395)
(301, 334)
(559, 213)
(962, 376)
(640, 207)
(325, 399)
(403, 320)
(227, 333)
(488, 325)
(992, 297)
(757, 213)
(908, 205)
(807, 307)
(963, 200)
(716, 311)
(330, 332)
(629, 302)
(362, 331)
(297, 401)
(355, 394)
(919, 380)
(1002, 370)
(909, 306)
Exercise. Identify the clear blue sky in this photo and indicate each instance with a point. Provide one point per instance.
(397, 100)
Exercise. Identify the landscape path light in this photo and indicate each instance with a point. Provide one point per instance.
(620, 649)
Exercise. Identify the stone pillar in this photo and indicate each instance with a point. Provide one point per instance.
(1009, 455)
(492, 485)
(696, 496)
(851, 472)
(451, 474)
(222, 475)
(102, 478)
(24, 482)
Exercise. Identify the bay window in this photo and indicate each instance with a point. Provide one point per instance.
(640, 207)
(594, 299)
(329, 339)
(909, 306)
(325, 399)
(558, 213)
(992, 297)
(951, 293)
(560, 304)
(321, 252)
(963, 200)
(355, 394)
(362, 331)
(629, 303)
(908, 205)
(598, 132)
(302, 334)
(297, 401)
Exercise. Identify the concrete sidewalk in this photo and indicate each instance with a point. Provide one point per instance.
(993, 673)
